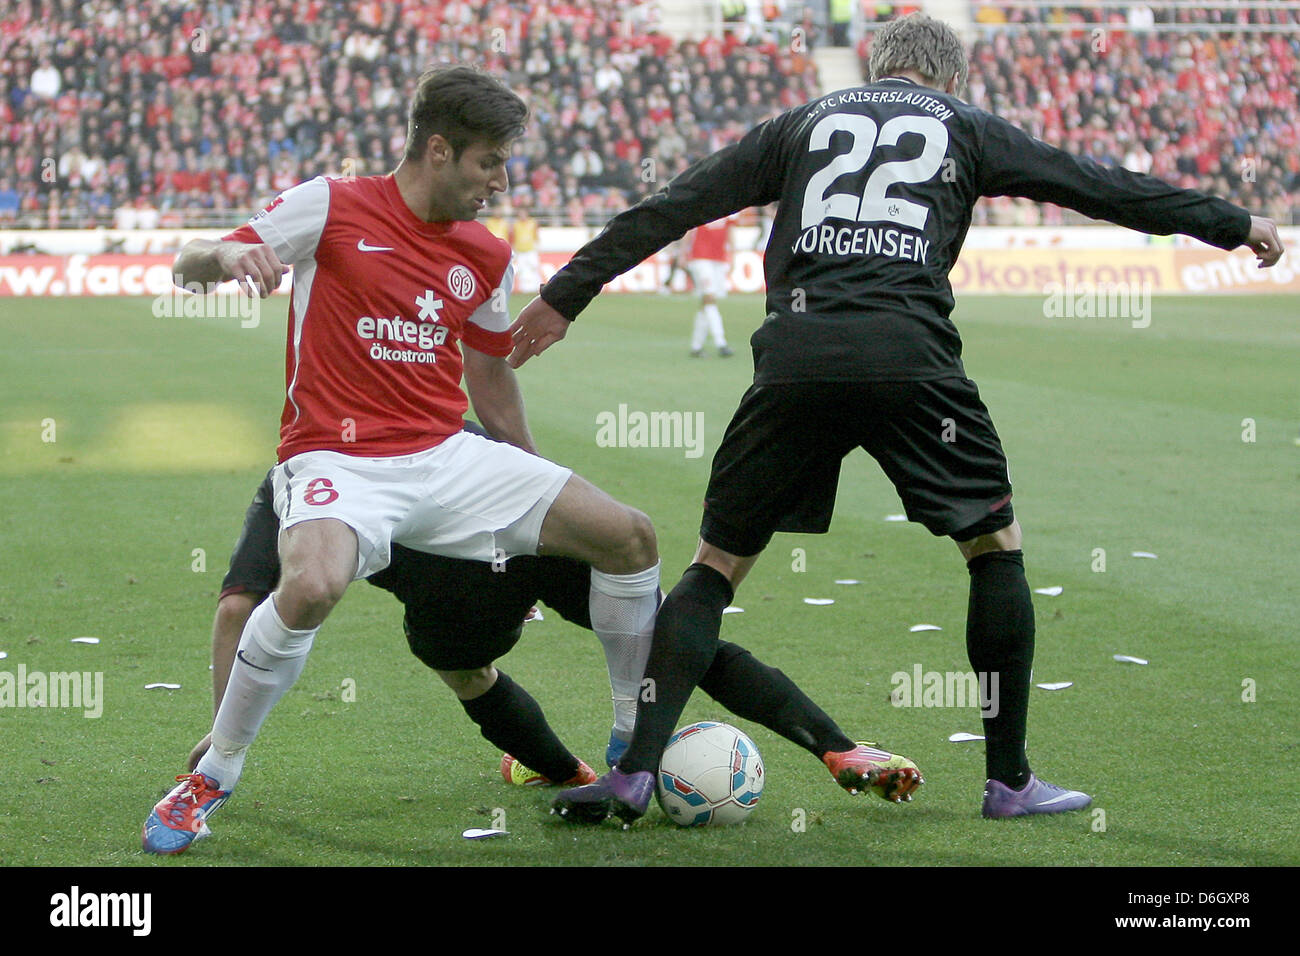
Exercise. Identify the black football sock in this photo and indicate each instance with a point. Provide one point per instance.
(752, 690)
(685, 640)
(1000, 644)
(511, 720)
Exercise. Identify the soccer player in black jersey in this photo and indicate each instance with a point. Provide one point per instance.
(876, 186)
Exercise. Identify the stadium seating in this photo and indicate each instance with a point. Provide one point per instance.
(1211, 109)
(151, 114)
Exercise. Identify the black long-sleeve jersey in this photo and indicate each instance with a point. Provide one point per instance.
(876, 187)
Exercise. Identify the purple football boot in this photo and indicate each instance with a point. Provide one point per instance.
(624, 795)
(1037, 796)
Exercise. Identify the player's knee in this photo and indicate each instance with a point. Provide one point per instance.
(234, 609)
(625, 544)
(640, 548)
(319, 590)
(469, 684)
(307, 595)
(1004, 539)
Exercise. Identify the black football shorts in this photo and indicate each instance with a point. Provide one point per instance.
(460, 615)
(778, 466)
(255, 563)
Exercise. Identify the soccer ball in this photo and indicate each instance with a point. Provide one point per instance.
(710, 773)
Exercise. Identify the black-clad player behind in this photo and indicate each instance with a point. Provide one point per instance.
(876, 186)
(461, 616)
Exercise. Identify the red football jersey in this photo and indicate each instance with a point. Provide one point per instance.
(380, 301)
(711, 241)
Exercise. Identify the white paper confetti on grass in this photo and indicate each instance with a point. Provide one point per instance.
(1053, 591)
(895, 517)
(1143, 554)
(164, 686)
(3, 655)
(477, 833)
(924, 627)
(85, 640)
(847, 581)
(820, 602)
(733, 610)
(962, 737)
(1124, 658)
(1058, 685)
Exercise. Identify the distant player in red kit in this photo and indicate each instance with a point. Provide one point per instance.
(710, 261)
(397, 292)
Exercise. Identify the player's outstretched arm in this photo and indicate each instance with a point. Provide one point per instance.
(1013, 163)
(747, 173)
(538, 327)
(206, 262)
(1264, 241)
(498, 402)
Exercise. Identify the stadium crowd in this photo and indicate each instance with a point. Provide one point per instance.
(154, 113)
(1216, 110)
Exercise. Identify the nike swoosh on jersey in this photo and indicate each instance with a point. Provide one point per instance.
(361, 244)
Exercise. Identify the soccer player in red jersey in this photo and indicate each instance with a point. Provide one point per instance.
(710, 260)
(397, 292)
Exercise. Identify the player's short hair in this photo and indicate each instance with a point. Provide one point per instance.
(919, 44)
(464, 106)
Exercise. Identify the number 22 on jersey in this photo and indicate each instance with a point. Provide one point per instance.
(874, 204)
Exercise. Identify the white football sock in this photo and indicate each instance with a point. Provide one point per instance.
(714, 319)
(269, 660)
(623, 608)
(701, 331)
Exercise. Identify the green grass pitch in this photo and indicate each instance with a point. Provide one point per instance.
(1177, 439)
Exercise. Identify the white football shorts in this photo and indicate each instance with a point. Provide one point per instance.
(709, 276)
(468, 497)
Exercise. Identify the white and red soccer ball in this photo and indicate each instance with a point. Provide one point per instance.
(711, 773)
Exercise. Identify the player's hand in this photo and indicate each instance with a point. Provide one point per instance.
(255, 266)
(1264, 241)
(197, 753)
(538, 328)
